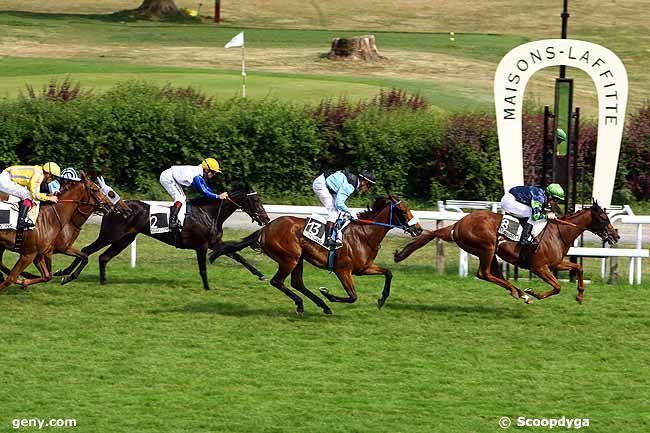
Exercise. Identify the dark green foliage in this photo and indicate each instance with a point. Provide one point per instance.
(134, 131)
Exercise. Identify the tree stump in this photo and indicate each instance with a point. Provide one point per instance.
(358, 48)
(158, 8)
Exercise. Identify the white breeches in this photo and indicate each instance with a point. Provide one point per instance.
(512, 206)
(11, 188)
(320, 188)
(170, 185)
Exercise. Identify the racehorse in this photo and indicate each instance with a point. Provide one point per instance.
(283, 241)
(37, 245)
(476, 233)
(203, 229)
(64, 242)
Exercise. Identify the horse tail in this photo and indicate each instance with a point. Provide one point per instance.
(252, 241)
(427, 236)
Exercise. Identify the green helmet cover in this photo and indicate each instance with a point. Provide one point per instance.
(555, 190)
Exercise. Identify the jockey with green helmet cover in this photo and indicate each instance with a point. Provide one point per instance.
(177, 177)
(334, 188)
(24, 182)
(526, 202)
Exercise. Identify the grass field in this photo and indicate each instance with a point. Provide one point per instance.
(287, 39)
(152, 352)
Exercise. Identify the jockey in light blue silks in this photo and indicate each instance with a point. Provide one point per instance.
(529, 202)
(333, 189)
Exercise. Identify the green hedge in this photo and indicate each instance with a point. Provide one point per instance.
(133, 132)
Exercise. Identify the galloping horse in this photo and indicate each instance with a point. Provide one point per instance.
(202, 230)
(64, 243)
(476, 233)
(38, 243)
(282, 240)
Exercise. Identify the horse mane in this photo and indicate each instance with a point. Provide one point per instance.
(378, 205)
(203, 201)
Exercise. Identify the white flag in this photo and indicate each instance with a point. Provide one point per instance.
(237, 41)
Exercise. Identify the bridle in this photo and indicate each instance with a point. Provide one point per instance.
(255, 215)
(406, 226)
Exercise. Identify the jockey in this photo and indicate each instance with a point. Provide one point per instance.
(178, 176)
(529, 201)
(333, 189)
(24, 182)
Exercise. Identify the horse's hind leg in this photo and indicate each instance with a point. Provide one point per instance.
(489, 271)
(252, 269)
(201, 255)
(298, 284)
(284, 269)
(388, 277)
(43, 263)
(115, 248)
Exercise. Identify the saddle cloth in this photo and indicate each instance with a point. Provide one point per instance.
(511, 228)
(316, 228)
(9, 213)
(159, 218)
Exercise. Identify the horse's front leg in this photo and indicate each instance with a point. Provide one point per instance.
(373, 269)
(545, 274)
(201, 255)
(568, 266)
(80, 257)
(345, 277)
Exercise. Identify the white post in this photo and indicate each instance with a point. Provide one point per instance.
(639, 239)
(243, 72)
(462, 263)
(134, 253)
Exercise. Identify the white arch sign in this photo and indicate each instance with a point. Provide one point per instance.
(610, 78)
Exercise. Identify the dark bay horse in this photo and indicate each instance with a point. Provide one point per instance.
(38, 244)
(202, 230)
(283, 241)
(476, 233)
(64, 242)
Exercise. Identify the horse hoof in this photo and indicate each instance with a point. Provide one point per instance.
(300, 310)
(380, 302)
(263, 278)
(579, 299)
(103, 282)
(527, 299)
(529, 290)
(324, 290)
(327, 311)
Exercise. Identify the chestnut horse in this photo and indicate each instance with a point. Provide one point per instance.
(283, 241)
(202, 230)
(64, 243)
(476, 233)
(38, 243)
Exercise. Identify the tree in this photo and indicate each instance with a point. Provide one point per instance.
(158, 8)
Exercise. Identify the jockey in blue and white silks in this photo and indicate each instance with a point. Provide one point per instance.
(333, 189)
(177, 177)
(528, 202)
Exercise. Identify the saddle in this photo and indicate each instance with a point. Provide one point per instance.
(510, 228)
(159, 218)
(9, 213)
(316, 230)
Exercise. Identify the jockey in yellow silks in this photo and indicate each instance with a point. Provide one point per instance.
(24, 182)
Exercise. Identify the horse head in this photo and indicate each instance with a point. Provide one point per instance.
(117, 204)
(94, 195)
(398, 215)
(249, 201)
(601, 225)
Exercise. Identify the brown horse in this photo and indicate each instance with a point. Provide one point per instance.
(476, 233)
(38, 244)
(64, 243)
(283, 241)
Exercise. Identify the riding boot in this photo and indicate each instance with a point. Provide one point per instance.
(24, 222)
(174, 224)
(525, 243)
(329, 242)
(527, 229)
